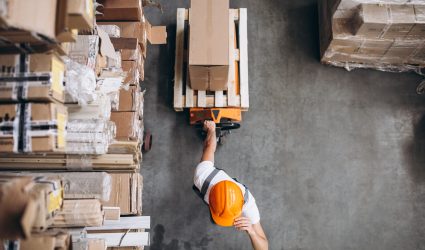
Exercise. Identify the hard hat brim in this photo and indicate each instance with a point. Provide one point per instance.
(224, 222)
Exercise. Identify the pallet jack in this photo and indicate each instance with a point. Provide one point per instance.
(226, 119)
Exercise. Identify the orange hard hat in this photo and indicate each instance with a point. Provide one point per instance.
(225, 202)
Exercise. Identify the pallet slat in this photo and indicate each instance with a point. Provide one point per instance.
(178, 66)
(243, 57)
(202, 102)
(231, 88)
(219, 102)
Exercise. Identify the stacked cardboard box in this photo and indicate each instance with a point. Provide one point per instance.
(209, 45)
(28, 204)
(135, 32)
(374, 35)
(33, 118)
(78, 115)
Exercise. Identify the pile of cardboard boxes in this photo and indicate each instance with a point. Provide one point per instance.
(372, 34)
(71, 123)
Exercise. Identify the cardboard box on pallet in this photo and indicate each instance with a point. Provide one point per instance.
(128, 125)
(44, 82)
(209, 44)
(63, 32)
(126, 193)
(129, 99)
(402, 19)
(371, 20)
(28, 204)
(48, 192)
(79, 213)
(143, 31)
(132, 68)
(120, 10)
(33, 16)
(418, 30)
(400, 52)
(17, 208)
(80, 14)
(49, 240)
(384, 21)
(32, 127)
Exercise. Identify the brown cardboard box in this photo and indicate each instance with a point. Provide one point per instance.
(79, 213)
(35, 16)
(43, 123)
(133, 30)
(128, 125)
(49, 240)
(43, 195)
(400, 51)
(347, 46)
(112, 213)
(402, 20)
(17, 208)
(80, 14)
(125, 193)
(125, 43)
(47, 88)
(371, 20)
(132, 70)
(48, 194)
(374, 47)
(143, 31)
(120, 10)
(131, 54)
(129, 99)
(209, 44)
(62, 32)
(418, 30)
(156, 34)
(418, 56)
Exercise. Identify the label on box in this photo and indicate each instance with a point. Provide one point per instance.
(61, 123)
(58, 72)
(55, 200)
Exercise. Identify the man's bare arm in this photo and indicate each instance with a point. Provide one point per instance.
(255, 232)
(210, 143)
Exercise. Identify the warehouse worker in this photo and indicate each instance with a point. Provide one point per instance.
(230, 202)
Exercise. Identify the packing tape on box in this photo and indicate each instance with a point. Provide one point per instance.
(22, 128)
(19, 84)
(389, 23)
(79, 162)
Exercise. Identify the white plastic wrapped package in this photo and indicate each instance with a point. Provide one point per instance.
(89, 136)
(99, 109)
(80, 82)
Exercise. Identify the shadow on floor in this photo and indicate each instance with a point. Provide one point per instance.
(415, 151)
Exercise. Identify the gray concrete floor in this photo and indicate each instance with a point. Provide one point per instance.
(335, 159)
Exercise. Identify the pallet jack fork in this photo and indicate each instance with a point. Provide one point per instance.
(226, 119)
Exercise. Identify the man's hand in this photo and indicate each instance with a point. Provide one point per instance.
(244, 224)
(255, 232)
(209, 126)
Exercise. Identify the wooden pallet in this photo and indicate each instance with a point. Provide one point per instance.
(118, 162)
(185, 97)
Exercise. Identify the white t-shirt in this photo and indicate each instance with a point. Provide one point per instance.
(204, 169)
